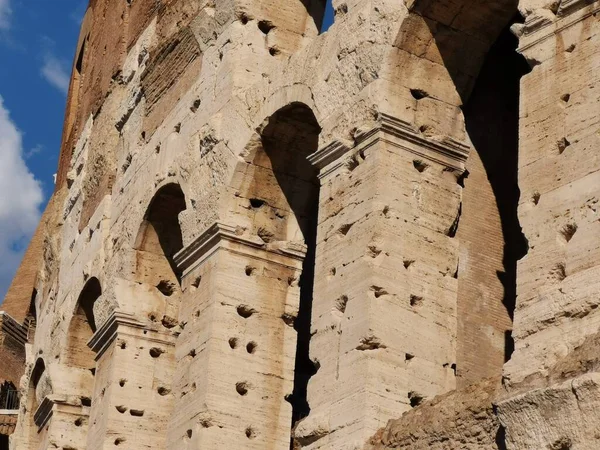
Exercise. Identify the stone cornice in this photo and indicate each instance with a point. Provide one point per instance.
(539, 27)
(44, 412)
(107, 333)
(12, 328)
(219, 233)
(445, 151)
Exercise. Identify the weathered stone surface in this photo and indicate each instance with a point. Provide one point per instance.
(262, 235)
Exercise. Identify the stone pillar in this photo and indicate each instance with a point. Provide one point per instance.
(551, 401)
(132, 402)
(384, 312)
(61, 422)
(235, 356)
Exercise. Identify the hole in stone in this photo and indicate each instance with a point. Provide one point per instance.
(378, 291)
(415, 398)
(570, 48)
(121, 408)
(78, 422)
(177, 128)
(123, 345)
(189, 434)
(250, 270)
(341, 303)
(119, 441)
(373, 251)
(266, 235)
(241, 388)
(408, 357)
(86, 401)
(122, 382)
(251, 347)
(562, 144)
(205, 423)
(250, 433)
(288, 319)
(408, 262)
(559, 272)
(274, 51)
(565, 98)
(233, 342)
(166, 288)
(192, 353)
(569, 231)
(453, 367)
(169, 322)
(370, 343)
(256, 203)
(245, 311)
(244, 19)
(265, 26)
(332, 271)
(423, 128)
(352, 163)
(418, 94)
(536, 198)
(155, 352)
(416, 300)
(344, 229)
(420, 165)
(563, 443)
(197, 281)
(162, 391)
(195, 105)
(136, 412)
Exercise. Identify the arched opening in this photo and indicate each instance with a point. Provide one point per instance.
(492, 122)
(38, 389)
(473, 42)
(158, 240)
(282, 190)
(82, 328)
(31, 318)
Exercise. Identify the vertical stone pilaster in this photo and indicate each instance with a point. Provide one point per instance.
(551, 385)
(132, 398)
(235, 356)
(384, 312)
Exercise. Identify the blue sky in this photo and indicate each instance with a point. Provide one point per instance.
(37, 43)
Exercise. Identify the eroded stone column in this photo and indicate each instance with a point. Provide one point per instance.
(235, 356)
(384, 312)
(132, 399)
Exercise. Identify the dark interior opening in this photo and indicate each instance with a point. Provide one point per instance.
(163, 218)
(83, 327)
(291, 135)
(492, 121)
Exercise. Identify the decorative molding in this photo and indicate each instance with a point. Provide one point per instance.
(107, 333)
(539, 28)
(44, 413)
(445, 151)
(13, 328)
(219, 233)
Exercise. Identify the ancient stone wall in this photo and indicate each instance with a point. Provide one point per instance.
(263, 236)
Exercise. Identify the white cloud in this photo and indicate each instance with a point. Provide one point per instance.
(20, 199)
(5, 13)
(55, 72)
(34, 151)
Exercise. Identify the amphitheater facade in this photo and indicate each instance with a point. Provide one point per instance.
(383, 236)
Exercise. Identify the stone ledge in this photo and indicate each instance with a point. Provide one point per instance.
(391, 130)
